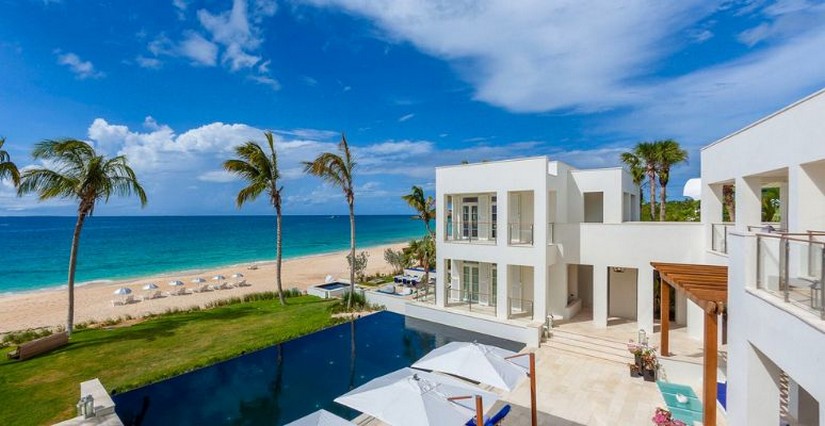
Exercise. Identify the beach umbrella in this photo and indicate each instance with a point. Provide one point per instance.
(237, 275)
(198, 280)
(176, 283)
(150, 286)
(320, 418)
(408, 397)
(122, 291)
(218, 277)
(485, 364)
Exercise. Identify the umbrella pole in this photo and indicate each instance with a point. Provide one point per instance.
(479, 412)
(534, 421)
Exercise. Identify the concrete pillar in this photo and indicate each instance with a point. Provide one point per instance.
(748, 202)
(711, 209)
(557, 288)
(600, 296)
(644, 297)
(761, 389)
(806, 206)
(681, 308)
(540, 285)
(783, 205)
(441, 282)
(503, 291)
(502, 218)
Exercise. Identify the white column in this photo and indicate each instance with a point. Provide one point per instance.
(503, 291)
(600, 296)
(681, 308)
(748, 202)
(711, 209)
(441, 281)
(503, 218)
(540, 283)
(644, 298)
(783, 205)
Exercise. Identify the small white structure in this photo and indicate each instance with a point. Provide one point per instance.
(329, 290)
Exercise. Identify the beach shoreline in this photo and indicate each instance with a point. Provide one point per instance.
(93, 300)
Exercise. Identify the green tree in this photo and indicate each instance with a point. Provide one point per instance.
(337, 170)
(359, 265)
(770, 205)
(643, 156)
(396, 259)
(422, 252)
(424, 207)
(259, 169)
(637, 171)
(7, 168)
(667, 153)
(77, 172)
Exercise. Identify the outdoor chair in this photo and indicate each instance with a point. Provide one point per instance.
(496, 419)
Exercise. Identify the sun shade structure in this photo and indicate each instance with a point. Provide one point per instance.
(707, 286)
(477, 362)
(122, 291)
(320, 418)
(410, 397)
(150, 286)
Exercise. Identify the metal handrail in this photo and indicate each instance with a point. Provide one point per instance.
(454, 231)
(784, 253)
(523, 302)
(519, 230)
(471, 298)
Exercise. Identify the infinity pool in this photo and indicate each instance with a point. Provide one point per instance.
(284, 382)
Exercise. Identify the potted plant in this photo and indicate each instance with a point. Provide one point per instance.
(649, 364)
(636, 349)
(635, 371)
(664, 417)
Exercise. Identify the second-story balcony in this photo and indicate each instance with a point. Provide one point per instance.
(791, 266)
(471, 232)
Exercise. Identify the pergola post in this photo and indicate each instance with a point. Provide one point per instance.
(711, 355)
(664, 314)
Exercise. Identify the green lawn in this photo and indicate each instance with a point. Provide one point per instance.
(44, 389)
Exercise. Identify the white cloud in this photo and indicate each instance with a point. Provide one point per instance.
(538, 55)
(217, 176)
(81, 69)
(180, 8)
(150, 63)
(266, 81)
(200, 50)
(234, 31)
(406, 117)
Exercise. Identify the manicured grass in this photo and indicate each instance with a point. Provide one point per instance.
(44, 390)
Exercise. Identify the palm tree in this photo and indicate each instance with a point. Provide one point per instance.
(668, 154)
(424, 206)
(7, 168)
(337, 169)
(729, 201)
(644, 156)
(637, 171)
(79, 173)
(260, 170)
(423, 252)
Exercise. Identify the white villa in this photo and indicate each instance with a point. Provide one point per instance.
(526, 242)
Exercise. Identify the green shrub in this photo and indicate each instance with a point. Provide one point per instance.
(23, 336)
(359, 303)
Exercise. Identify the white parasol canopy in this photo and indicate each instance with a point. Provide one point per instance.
(320, 418)
(409, 397)
(122, 291)
(218, 277)
(240, 275)
(477, 362)
(198, 280)
(175, 283)
(150, 286)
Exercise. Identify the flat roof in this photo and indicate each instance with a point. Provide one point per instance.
(765, 118)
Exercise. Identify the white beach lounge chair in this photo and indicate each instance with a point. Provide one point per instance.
(242, 283)
(157, 294)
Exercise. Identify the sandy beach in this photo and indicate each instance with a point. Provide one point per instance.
(93, 301)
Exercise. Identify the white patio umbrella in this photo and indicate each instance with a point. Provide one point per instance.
(485, 364)
(150, 286)
(122, 291)
(320, 418)
(240, 275)
(218, 277)
(198, 280)
(409, 397)
(475, 361)
(176, 283)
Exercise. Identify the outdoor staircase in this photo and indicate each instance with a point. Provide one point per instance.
(578, 344)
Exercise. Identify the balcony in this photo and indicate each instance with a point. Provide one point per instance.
(720, 232)
(474, 232)
(472, 301)
(520, 234)
(791, 266)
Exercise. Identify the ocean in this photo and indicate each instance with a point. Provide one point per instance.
(36, 249)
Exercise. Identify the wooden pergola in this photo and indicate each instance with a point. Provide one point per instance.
(707, 286)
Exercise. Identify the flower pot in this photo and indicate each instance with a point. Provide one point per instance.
(649, 375)
(635, 373)
(638, 361)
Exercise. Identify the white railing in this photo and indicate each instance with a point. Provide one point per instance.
(791, 266)
(520, 234)
(471, 232)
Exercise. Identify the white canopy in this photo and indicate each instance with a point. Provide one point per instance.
(218, 277)
(409, 397)
(475, 361)
(150, 286)
(122, 291)
(177, 283)
(240, 275)
(320, 418)
(197, 280)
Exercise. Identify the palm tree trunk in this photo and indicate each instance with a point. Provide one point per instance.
(351, 253)
(279, 253)
(662, 202)
(429, 229)
(81, 217)
(652, 178)
(641, 202)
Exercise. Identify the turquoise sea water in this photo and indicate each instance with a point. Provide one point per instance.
(35, 250)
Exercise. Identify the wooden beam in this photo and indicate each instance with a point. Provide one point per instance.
(711, 358)
(664, 296)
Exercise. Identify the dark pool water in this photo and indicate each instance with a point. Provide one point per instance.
(285, 382)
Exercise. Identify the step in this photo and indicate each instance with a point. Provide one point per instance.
(578, 351)
(591, 345)
(579, 344)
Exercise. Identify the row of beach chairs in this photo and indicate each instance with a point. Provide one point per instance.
(181, 291)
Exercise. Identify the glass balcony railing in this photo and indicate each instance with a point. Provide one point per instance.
(791, 266)
(719, 236)
(471, 232)
(520, 234)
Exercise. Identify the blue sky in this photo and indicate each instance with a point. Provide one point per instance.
(415, 84)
